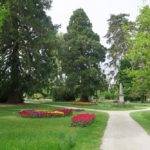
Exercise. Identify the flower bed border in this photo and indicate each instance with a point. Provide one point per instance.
(32, 113)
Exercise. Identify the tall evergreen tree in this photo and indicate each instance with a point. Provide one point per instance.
(117, 36)
(82, 56)
(26, 44)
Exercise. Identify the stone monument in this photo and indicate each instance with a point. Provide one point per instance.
(121, 94)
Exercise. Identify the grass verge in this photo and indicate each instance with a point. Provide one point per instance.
(107, 106)
(18, 133)
(143, 118)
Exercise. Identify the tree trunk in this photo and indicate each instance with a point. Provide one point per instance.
(15, 97)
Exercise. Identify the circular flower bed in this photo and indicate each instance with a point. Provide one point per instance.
(44, 113)
(82, 119)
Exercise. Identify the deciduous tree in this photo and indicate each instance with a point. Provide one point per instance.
(139, 56)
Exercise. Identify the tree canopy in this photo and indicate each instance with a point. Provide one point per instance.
(34, 58)
(82, 56)
(139, 56)
(3, 14)
(118, 33)
(26, 45)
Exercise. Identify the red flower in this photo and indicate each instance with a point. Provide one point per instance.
(44, 113)
(26, 113)
(83, 119)
(65, 111)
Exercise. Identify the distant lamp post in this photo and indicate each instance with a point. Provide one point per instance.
(121, 94)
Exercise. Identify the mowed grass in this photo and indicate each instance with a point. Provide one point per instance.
(18, 133)
(106, 105)
(143, 118)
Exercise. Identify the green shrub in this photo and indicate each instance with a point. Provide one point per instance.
(110, 95)
(63, 94)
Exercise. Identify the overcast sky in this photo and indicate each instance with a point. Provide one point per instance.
(97, 10)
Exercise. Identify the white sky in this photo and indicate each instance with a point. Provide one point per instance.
(97, 10)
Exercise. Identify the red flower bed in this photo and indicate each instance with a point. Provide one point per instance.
(44, 113)
(65, 111)
(83, 119)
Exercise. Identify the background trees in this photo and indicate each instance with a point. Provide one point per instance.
(26, 43)
(119, 31)
(130, 44)
(60, 90)
(123, 78)
(134, 69)
(82, 56)
(34, 59)
(139, 56)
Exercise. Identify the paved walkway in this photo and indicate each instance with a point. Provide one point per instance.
(122, 132)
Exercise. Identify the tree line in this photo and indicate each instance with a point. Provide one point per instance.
(130, 53)
(35, 58)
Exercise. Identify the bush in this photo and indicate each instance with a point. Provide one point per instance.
(111, 95)
(63, 94)
(132, 98)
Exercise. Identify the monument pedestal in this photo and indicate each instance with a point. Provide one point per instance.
(121, 99)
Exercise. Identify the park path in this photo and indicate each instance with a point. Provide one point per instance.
(122, 132)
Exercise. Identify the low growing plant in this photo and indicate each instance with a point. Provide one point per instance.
(82, 120)
(44, 113)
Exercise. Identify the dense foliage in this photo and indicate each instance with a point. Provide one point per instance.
(63, 93)
(134, 70)
(35, 60)
(26, 43)
(139, 56)
(81, 57)
(125, 79)
(3, 14)
(119, 31)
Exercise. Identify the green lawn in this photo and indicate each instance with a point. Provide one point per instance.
(106, 105)
(18, 133)
(143, 118)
